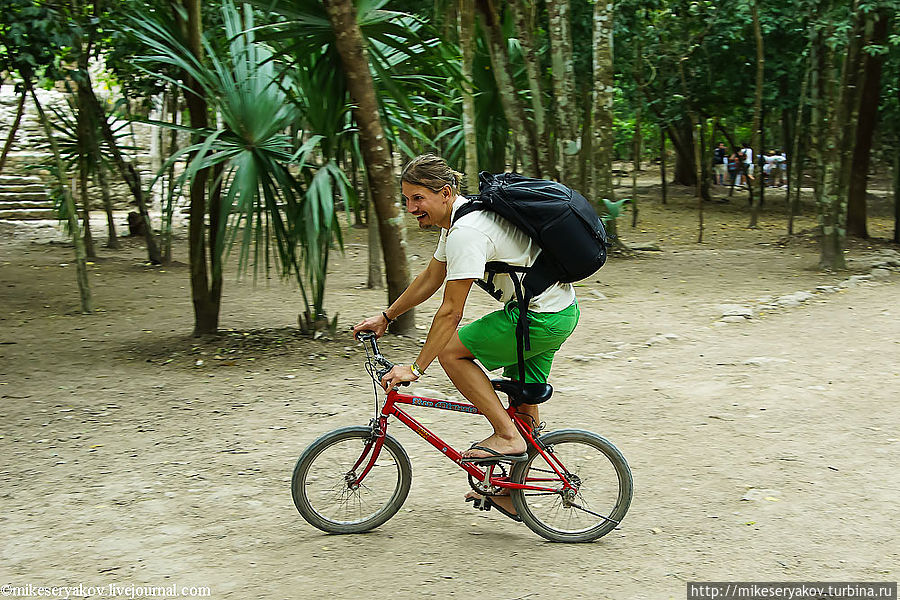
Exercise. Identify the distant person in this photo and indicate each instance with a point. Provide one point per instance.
(748, 161)
(769, 166)
(782, 168)
(734, 168)
(720, 164)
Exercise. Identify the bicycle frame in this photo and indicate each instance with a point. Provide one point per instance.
(391, 408)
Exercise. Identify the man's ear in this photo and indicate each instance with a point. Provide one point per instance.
(447, 192)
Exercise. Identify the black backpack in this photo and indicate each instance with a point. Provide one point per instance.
(558, 219)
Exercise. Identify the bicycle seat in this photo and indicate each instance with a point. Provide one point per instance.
(529, 393)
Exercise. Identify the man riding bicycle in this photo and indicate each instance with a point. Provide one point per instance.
(431, 191)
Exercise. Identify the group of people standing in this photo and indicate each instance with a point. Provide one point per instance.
(737, 168)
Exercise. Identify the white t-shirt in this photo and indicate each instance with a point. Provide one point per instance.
(748, 156)
(481, 237)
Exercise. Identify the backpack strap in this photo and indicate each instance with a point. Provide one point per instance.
(523, 299)
(471, 206)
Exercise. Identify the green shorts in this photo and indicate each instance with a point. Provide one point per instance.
(492, 340)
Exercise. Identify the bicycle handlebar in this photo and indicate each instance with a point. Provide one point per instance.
(381, 364)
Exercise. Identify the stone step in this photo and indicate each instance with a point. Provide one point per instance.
(29, 204)
(14, 196)
(16, 214)
(20, 180)
(8, 188)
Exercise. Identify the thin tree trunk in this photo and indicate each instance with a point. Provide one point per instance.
(466, 14)
(760, 161)
(635, 165)
(11, 136)
(698, 162)
(112, 240)
(523, 133)
(604, 89)
(170, 199)
(89, 250)
(756, 142)
(379, 164)
(795, 171)
(560, 36)
(81, 274)
(524, 25)
(662, 164)
(868, 117)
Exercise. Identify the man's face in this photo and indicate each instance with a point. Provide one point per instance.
(429, 208)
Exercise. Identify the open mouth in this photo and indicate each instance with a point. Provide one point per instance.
(420, 216)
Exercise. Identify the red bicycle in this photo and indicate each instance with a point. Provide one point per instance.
(575, 486)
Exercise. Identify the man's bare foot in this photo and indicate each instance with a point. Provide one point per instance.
(501, 445)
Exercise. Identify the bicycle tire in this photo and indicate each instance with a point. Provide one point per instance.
(319, 485)
(605, 488)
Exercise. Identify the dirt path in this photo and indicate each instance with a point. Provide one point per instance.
(764, 449)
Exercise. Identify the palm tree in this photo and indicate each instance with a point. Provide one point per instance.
(278, 202)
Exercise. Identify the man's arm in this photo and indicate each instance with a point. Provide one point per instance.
(423, 287)
(446, 320)
(444, 325)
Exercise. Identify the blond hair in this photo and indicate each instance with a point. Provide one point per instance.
(433, 172)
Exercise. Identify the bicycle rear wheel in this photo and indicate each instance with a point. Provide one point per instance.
(323, 483)
(599, 474)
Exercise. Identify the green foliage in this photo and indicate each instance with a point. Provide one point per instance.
(35, 39)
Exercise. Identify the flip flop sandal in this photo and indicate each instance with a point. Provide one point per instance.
(495, 456)
(485, 503)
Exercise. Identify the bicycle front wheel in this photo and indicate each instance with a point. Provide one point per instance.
(600, 492)
(325, 488)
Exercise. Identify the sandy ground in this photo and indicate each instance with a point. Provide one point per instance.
(762, 450)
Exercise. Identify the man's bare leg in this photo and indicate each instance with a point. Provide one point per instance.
(473, 383)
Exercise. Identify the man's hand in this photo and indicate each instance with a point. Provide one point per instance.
(377, 324)
(399, 374)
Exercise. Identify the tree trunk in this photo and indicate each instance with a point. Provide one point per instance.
(587, 146)
(112, 240)
(375, 279)
(840, 132)
(795, 171)
(756, 143)
(206, 303)
(11, 136)
(662, 163)
(524, 25)
(89, 250)
(379, 165)
(81, 274)
(168, 205)
(868, 117)
(466, 14)
(896, 169)
(635, 165)
(523, 133)
(560, 36)
(604, 90)
(697, 128)
(128, 173)
(683, 139)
